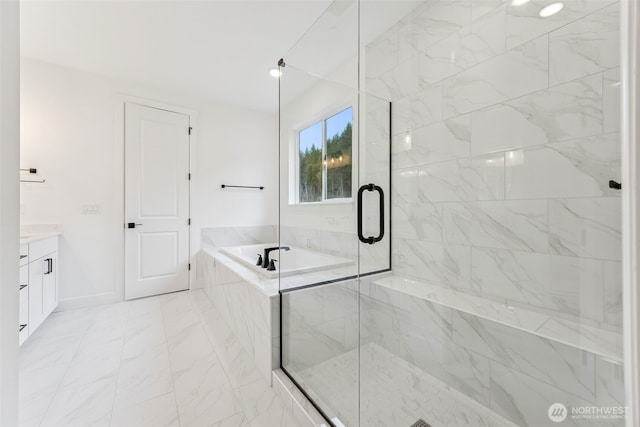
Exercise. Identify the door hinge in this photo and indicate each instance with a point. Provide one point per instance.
(190, 129)
(189, 221)
(189, 177)
(189, 266)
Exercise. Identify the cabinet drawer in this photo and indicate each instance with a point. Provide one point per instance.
(40, 248)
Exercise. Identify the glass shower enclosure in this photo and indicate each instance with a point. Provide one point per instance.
(449, 193)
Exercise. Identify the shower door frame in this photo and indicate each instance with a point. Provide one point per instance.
(630, 57)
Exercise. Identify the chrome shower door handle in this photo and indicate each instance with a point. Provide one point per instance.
(371, 239)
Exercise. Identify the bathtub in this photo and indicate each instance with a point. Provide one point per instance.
(295, 261)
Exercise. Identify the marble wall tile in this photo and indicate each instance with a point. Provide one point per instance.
(478, 178)
(519, 225)
(564, 284)
(565, 367)
(514, 73)
(302, 350)
(442, 264)
(578, 334)
(578, 168)
(609, 383)
(406, 314)
(613, 294)
(449, 139)
(376, 86)
(461, 369)
(526, 400)
(416, 110)
(563, 112)
(377, 125)
(372, 258)
(404, 185)
(524, 22)
(237, 363)
(430, 22)
(263, 333)
(589, 228)
(611, 100)
(318, 324)
(402, 80)
(473, 44)
(586, 46)
(436, 355)
(481, 7)
(381, 55)
(227, 236)
(304, 237)
(246, 312)
(421, 220)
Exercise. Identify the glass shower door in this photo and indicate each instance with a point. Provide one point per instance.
(318, 216)
(348, 236)
(335, 203)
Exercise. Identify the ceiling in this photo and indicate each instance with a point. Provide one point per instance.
(219, 50)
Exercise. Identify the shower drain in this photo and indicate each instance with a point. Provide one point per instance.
(420, 423)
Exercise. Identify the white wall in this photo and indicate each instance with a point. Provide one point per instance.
(72, 128)
(9, 147)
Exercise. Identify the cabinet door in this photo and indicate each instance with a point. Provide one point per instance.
(49, 283)
(36, 307)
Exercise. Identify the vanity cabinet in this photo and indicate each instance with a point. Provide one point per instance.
(24, 302)
(40, 275)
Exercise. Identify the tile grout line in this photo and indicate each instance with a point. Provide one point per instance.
(213, 346)
(115, 391)
(58, 388)
(166, 342)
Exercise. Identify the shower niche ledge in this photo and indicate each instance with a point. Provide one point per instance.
(592, 339)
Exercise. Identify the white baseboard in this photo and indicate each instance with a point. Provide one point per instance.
(88, 301)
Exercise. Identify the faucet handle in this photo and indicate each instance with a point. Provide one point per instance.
(259, 262)
(272, 265)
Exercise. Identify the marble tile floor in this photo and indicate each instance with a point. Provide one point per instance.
(393, 392)
(168, 360)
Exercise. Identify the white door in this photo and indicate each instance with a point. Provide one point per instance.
(156, 201)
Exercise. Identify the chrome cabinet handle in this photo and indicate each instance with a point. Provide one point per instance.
(47, 267)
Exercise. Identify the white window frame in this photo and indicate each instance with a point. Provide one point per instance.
(322, 118)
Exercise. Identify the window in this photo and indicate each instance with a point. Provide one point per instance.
(324, 159)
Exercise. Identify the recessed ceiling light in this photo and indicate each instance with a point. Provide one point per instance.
(550, 10)
(275, 72)
(519, 2)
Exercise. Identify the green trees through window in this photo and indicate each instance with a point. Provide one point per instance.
(325, 159)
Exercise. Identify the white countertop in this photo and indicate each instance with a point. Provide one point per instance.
(30, 233)
(33, 237)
